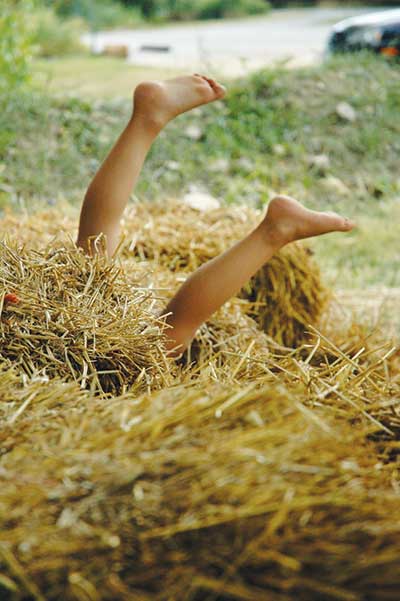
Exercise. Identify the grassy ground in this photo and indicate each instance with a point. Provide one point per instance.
(93, 77)
(269, 136)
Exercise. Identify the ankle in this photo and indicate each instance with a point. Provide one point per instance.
(149, 106)
(272, 238)
(149, 123)
(279, 234)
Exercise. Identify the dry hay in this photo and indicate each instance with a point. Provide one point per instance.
(77, 319)
(284, 297)
(258, 473)
(287, 295)
(253, 491)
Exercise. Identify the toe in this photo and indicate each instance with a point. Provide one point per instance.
(211, 82)
(339, 223)
(216, 87)
(220, 91)
(348, 225)
(203, 77)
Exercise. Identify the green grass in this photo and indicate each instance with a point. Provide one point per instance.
(260, 141)
(370, 255)
(93, 77)
(278, 119)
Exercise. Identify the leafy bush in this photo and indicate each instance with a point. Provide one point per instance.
(54, 36)
(16, 44)
(183, 10)
(27, 29)
(179, 10)
(217, 9)
(99, 14)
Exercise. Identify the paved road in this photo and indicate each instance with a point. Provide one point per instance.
(231, 46)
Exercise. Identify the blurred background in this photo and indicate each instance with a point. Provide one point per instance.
(203, 34)
(228, 36)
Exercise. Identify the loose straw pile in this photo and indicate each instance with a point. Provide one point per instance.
(76, 318)
(257, 471)
(284, 297)
(281, 489)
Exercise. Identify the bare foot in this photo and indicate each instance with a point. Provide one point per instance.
(287, 220)
(160, 101)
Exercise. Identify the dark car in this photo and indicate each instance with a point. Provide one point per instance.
(378, 32)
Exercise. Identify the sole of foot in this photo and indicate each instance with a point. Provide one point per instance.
(160, 101)
(287, 220)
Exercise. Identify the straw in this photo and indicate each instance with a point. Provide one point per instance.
(257, 468)
(77, 318)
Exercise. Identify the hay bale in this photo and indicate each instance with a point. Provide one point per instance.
(78, 319)
(170, 237)
(230, 347)
(225, 491)
(260, 472)
(285, 296)
(39, 229)
(180, 238)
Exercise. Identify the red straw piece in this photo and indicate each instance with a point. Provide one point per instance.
(11, 299)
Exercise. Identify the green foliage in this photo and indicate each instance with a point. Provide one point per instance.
(16, 45)
(27, 29)
(274, 122)
(99, 14)
(177, 10)
(351, 3)
(51, 147)
(218, 9)
(266, 131)
(184, 10)
(54, 36)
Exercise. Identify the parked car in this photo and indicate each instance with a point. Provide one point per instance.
(378, 32)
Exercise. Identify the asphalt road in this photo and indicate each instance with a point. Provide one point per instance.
(230, 46)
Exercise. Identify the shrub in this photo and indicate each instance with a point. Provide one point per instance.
(98, 14)
(179, 10)
(217, 9)
(183, 10)
(54, 36)
(16, 45)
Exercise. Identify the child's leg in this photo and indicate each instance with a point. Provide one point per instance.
(155, 104)
(221, 278)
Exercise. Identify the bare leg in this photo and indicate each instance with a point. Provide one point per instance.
(221, 278)
(155, 104)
